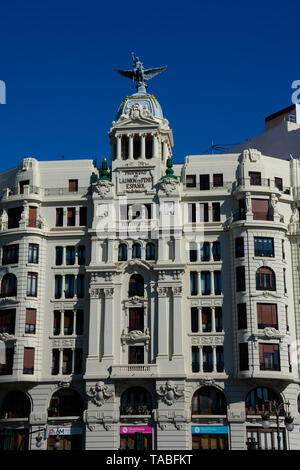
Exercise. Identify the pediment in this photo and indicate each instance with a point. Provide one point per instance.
(135, 263)
(138, 122)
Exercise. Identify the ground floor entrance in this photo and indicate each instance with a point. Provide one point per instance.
(13, 439)
(210, 437)
(135, 438)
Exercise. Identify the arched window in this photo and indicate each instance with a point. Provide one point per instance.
(136, 285)
(15, 405)
(136, 250)
(122, 252)
(9, 285)
(209, 401)
(136, 401)
(260, 399)
(65, 403)
(265, 279)
(150, 251)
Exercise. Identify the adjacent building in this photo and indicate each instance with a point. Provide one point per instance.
(149, 305)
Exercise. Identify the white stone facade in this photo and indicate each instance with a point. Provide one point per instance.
(176, 360)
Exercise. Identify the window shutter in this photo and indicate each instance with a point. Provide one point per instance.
(28, 358)
(32, 216)
(261, 353)
(30, 316)
(73, 186)
(260, 209)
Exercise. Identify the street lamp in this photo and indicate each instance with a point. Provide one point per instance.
(277, 409)
(57, 443)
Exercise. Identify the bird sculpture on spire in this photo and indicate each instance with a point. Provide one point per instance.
(139, 74)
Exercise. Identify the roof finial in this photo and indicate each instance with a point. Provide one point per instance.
(139, 74)
(104, 171)
(169, 170)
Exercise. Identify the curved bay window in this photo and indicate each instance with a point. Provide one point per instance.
(136, 250)
(265, 279)
(136, 285)
(16, 405)
(65, 403)
(209, 401)
(9, 285)
(122, 252)
(136, 401)
(260, 399)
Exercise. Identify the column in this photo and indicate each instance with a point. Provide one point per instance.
(201, 359)
(177, 328)
(165, 151)
(92, 364)
(214, 358)
(213, 319)
(130, 137)
(108, 324)
(154, 145)
(163, 324)
(161, 249)
(200, 319)
(110, 250)
(212, 283)
(143, 145)
(61, 330)
(74, 321)
(60, 361)
(119, 142)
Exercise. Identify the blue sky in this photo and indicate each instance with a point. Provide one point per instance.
(230, 64)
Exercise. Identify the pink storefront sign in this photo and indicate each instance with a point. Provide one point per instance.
(133, 429)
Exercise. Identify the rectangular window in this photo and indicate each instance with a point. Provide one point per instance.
(267, 439)
(81, 255)
(205, 251)
(192, 212)
(194, 320)
(28, 366)
(56, 322)
(278, 183)
(69, 286)
(218, 319)
(58, 287)
(14, 216)
(282, 249)
(242, 316)
(216, 213)
(194, 283)
(195, 359)
(55, 362)
(59, 251)
(269, 357)
(59, 217)
(239, 247)
(7, 368)
(32, 213)
(80, 286)
(216, 251)
(32, 279)
(260, 209)
(190, 181)
(218, 282)
(68, 322)
(267, 316)
(67, 361)
(255, 178)
(73, 186)
(79, 322)
(207, 359)
(33, 253)
(287, 318)
(148, 211)
(220, 358)
(70, 255)
(136, 319)
(284, 280)
(204, 182)
(82, 216)
(78, 361)
(135, 355)
(206, 319)
(242, 209)
(240, 279)
(10, 254)
(204, 212)
(22, 184)
(218, 180)
(244, 356)
(71, 217)
(193, 252)
(205, 283)
(7, 321)
(264, 246)
(30, 321)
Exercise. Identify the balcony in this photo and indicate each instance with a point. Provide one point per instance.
(226, 186)
(134, 370)
(271, 367)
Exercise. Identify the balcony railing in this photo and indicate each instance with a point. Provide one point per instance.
(135, 410)
(65, 191)
(274, 367)
(227, 185)
(253, 182)
(120, 371)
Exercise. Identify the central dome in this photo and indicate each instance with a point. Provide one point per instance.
(145, 100)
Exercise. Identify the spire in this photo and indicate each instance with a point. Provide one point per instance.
(169, 170)
(139, 74)
(104, 171)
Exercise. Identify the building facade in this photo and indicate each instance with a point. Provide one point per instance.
(149, 305)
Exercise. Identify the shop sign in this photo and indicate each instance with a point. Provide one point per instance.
(209, 429)
(133, 429)
(62, 431)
